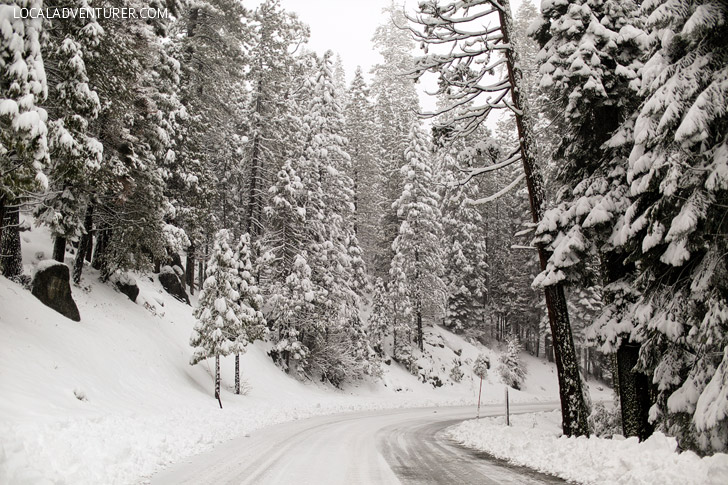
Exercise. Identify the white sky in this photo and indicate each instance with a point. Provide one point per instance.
(347, 26)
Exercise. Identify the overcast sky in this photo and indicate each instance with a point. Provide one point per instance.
(347, 26)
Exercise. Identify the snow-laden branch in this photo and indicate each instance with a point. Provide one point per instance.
(472, 173)
(436, 16)
(519, 246)
(498, 194)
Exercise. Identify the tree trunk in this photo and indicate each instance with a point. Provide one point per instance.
(84, 244)
(255, 203)
(420, 340)
(632, 385)
(573, 406)
(3, 197)
(190, 269)
(634, 393)
(97, 261)
(59, 249)
(90, 248)
(237, 373)
(217, 380)
(394, 328)
(12, 259)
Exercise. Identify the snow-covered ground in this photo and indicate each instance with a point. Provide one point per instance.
(112, 398)
(534, 440)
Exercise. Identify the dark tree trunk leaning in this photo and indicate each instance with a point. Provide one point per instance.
(99, 250)
(84, 245)
(573, 407)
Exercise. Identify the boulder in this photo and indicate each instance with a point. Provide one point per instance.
(175, 260)
(127, 285)
(52, 285)
(172, 285)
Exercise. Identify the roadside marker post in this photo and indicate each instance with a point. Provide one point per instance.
(508, 411)
(480, 391)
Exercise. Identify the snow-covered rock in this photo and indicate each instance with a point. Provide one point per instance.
(51, 285)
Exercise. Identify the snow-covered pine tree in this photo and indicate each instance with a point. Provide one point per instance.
(183, 176)
(180, 183)
(508, 265)
(293, 316)
(402, 317)
(270, 111)
(23, 131)
(361, 131)
(285, 219)
(481, 366)
(677, 223)
(228, 173)
(396, 105)
(417, 266)
(339, 347)
(588, 63)
(250, 302)
(217, 332)
(211, 42)
(510, 367)
(129, 204)
(339, 74)
(464, 248)
(380, 318)
(139, 117)
(326, 159)
(285, 273)
(331, 242)
(75, 155)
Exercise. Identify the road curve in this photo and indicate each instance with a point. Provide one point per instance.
(405, 446)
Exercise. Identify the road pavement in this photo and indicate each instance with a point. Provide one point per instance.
(403, 446)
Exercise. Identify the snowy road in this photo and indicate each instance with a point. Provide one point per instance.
(406, 446)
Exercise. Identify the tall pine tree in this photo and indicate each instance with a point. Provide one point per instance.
(417, 264)
(676, 225)
(23, 130)
(464, 249)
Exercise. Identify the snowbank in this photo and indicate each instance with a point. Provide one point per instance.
(535, 441)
